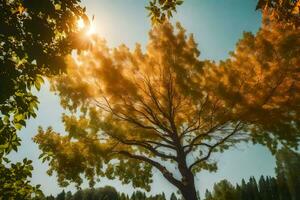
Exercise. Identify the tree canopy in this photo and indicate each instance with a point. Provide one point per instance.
(165, 106)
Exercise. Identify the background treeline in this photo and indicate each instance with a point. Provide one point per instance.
(107, 193)
(285, 186)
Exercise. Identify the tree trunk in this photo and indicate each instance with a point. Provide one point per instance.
(189, 192)
(187, 189)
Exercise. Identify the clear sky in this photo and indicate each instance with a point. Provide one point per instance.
(217, 26)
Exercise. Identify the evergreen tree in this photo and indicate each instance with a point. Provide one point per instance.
(69, 195)
(61, 196)
(173, 197)
(252, 187)
(208, 195)
(287, 171)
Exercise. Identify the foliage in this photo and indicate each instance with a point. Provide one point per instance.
(167, 106)
(160, 10)
(138, 107)
(223, 190)
(14, 181)
(34, 39)
(284, 11)
(260, 82)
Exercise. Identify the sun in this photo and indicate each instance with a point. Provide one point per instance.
(90, 29)
(80, 23)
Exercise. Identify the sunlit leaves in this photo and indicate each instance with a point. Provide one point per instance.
(286, 12)
(161, 10)
(261, 82)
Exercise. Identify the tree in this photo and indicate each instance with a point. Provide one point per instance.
(61, 196)
(166, 106)
(34, 39)
(156, 109)
(252, 188)
(78, 195)
(69, 195)
(223, 190)
(173, 197)
(208, 195)
(287, 167)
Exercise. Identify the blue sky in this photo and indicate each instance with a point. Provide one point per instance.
(217, 26)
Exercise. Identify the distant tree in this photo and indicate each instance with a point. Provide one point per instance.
(78, 195)
(208, 195)
(224, 190)
(61, 196)
(123, 197)
(69, 195)
(274, 189)
(287, 171)
(173, 197)
(252, 189)
(50, 197)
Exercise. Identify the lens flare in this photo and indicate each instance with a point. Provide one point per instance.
(91, 29)
(80, 23)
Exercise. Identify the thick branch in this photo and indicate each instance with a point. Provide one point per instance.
(168, 175)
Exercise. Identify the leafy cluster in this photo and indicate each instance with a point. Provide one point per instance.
(14, 181)
(161, 10)
(34, 39)
(284, 11)
(260, 81)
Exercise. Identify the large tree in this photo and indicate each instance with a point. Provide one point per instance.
(142, 109)
(167, 109)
